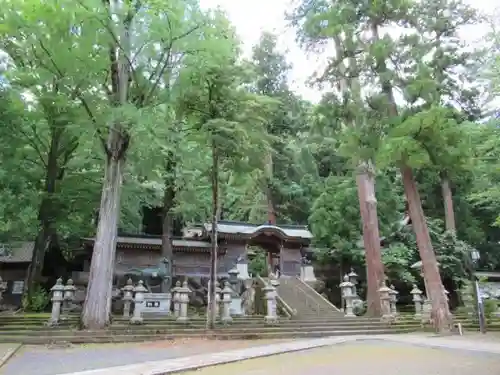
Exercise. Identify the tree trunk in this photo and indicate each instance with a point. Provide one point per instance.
(97, 307)
(167, 250)
(371, 238)
(271, 213)
(213, 251)
(440, 310)
(449, 212)
(366, 192)
(46, 215)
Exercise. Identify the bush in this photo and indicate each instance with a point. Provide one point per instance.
(38, 301)
(359, 307)
(490, 308)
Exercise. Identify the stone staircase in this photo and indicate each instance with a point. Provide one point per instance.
(306, 303)
(32, 329)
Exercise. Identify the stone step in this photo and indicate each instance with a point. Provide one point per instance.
(145, 330)
(236, 323)
(111, 338)
(229, 327)
(20, 324)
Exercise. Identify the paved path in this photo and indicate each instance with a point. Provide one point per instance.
(39, 360)
(412, 348)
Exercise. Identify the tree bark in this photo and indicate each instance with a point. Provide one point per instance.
(366, 194)
(96, 312)
(97, 307)
(46, 214)
(371, 238)
(213, 251)
(271, 213)
(167, 250)
(449, 212)
(440, 310)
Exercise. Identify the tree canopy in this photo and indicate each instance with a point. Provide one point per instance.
(108, 107)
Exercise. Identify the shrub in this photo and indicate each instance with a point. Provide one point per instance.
(38, 301)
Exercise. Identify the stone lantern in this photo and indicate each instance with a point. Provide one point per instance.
(270, 296)
(176, 298)
(353, 278)
(235, 307)
(218, 291)
(346, 288)
(68, 295)
(446, 294)
(128, 296)
(417, 301)
(57, 299)
(393, 301)
(183, 302)
(139, 292)
(226, 303)
(385, 299)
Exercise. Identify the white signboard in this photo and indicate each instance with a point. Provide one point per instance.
(17, 287)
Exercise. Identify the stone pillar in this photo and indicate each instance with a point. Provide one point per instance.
(417, 301)
(57, 299)
(128, 296)
(3, 288)
(139, 291)
(69, 294)
(346, 288)
(394, 299)
(226, 303)
(183, 302)
(176, 298)
(270, 296)
(385, 300)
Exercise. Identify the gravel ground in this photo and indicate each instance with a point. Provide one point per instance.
(366, 358)
(36, 360)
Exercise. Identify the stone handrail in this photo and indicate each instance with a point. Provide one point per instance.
(309, 301)
(289, 312)
(323, 298)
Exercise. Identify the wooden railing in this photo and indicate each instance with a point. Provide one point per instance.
(197, 271)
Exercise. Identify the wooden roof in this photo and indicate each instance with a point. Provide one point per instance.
(137, 242)
(17, 252)
(237, 229)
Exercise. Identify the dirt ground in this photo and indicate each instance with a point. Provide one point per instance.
(365, 358)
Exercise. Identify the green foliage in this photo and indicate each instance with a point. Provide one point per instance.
(258, 264)
(38, 301)
(207, 98)
(490, 308)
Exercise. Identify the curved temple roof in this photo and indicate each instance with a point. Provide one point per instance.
(252, 230)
